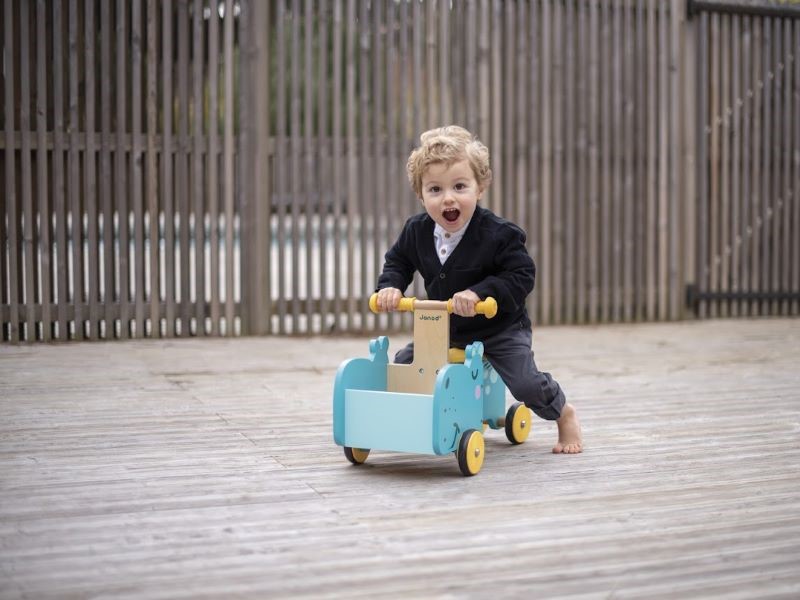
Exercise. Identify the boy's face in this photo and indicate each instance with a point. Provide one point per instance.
(450, 193)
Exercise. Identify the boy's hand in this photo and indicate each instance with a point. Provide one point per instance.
(388, 299)
(464, 303)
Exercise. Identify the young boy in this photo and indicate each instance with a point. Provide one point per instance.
(466, 252)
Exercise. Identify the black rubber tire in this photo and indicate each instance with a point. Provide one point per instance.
(461, 453)
(353, 458)
(512, 411)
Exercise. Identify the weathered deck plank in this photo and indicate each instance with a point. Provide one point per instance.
(205, 468)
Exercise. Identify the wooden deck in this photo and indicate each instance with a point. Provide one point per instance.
(206, 468)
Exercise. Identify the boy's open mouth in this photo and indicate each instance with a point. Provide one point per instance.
(451, 214)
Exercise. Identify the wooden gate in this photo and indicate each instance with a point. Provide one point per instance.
(748, 210)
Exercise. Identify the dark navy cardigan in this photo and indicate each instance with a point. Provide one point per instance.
(491, 260)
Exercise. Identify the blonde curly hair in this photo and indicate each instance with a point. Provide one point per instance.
(448, 145)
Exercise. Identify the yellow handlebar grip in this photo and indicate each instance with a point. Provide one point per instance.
(488, 307)
(406, 304)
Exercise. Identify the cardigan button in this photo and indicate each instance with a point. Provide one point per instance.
(442, 275)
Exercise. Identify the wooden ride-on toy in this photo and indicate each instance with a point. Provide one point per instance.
(440, 403)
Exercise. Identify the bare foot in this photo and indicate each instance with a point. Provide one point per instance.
(570, 440)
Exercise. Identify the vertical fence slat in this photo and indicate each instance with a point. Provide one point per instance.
(470, 93)
(628, 200)
(689, 151)
(59, 191)
(417, 28)
(605, 160)
(253, 143)
(228, 156)
(746, 216)
(5, 73)
(281, 164)
(90, 172)
(395, 181)
(535, 150)
(735, 168)
(432, 88)
(307, 164)
(122, 168)
(364, 178)
(377, 180)
(675, 276)
(641, 118)
(496, 122)
(45, 248)
(617, 168)
(484, 66)
(568, 172)
(337, 152)
(505, 204)
(212, 165)
(543, 271)
(582, 208)
(778, 199)
(352, 161)
(182, 167)
(766, 164)
(14, 333)
(736, 165)
(29, 218)
(151, 172)
(167, 156)
(443, 45)
(786, 190)
(723, 125)
(663, 162)
(650, 169)
(520, 119)
(795, 256)
(198, 176)
(73, 176)
(755, 180)
(593, 196)
(294, 160)
(322, 151)
(136, 169)
(107, 287)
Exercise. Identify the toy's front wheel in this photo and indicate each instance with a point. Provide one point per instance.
(356, 456)
(518, 423)
(470, 452)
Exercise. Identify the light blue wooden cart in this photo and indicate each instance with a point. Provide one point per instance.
(440, 403)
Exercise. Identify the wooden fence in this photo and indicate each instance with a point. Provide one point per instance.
(194, 167)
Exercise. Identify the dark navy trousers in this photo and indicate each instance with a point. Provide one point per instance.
(509, 352)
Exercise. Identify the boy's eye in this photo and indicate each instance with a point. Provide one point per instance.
(434, 189)
(460, 186)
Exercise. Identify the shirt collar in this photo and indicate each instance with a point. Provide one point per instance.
(439, 233)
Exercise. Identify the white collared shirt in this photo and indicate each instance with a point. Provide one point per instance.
(446, 242)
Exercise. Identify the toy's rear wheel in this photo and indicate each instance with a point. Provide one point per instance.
(518, 423)
(356, 456)
(470, 452)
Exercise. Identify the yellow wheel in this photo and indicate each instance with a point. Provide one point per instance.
(470, 452)
(356, 455)
(518, 423)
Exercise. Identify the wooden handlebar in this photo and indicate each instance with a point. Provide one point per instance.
(487, 307)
